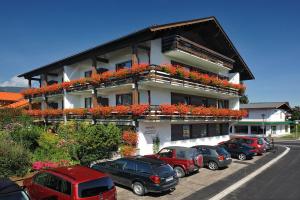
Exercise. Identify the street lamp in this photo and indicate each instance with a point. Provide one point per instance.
(263, 117)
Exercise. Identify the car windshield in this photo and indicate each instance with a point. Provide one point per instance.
(221, 151)
(95, 187)
(163, 169)
(20, 195)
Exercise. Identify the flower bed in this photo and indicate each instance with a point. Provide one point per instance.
(141, 110)
(97, 79)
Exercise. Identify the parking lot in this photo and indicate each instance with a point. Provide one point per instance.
(190, 184)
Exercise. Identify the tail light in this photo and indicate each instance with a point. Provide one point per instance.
(155, 179)
(221, 157)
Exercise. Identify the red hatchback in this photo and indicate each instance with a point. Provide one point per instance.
(255, 142)
(70, 183)
(184, 160)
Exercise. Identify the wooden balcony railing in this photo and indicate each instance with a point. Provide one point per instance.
(168, 74)
(178, 42)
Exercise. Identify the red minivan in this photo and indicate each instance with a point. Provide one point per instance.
(252, 141)
(184, 160)
(70, 183)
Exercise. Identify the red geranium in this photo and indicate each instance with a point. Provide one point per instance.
(183, 109)
(168, 109)
(121, 109)
(139, 109)
(130, 137)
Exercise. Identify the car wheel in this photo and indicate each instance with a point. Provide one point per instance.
(138, 188)
(179, 172)
(212, 165)
(242, 156)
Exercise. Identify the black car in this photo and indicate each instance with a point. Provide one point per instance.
(214, 157)
(141, 174)
(11, 191)
(239, 150)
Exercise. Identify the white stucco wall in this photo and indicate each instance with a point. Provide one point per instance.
(149, 130)
(156, 55)
(270, 115)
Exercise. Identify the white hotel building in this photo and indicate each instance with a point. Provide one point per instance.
(197, 45)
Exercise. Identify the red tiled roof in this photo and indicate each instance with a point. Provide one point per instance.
(10, 96)
(19, 104)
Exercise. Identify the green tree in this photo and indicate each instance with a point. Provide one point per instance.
(296, 113)
(244, 99)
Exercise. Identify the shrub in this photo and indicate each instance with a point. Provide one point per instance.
(14, 158)
(86, 143)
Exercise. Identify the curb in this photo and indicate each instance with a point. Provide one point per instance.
(249, 177)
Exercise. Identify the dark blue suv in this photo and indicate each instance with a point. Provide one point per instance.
(140, 173)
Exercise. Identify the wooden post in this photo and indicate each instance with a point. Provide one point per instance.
(134, 56)
(135, 94)
(94, 94)
(30, 100)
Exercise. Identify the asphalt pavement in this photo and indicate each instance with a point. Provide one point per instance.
(279, 182)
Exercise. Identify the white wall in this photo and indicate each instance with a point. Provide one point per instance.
(156, 55)
(149, 130)
(234, 103)
(234, 78)
(270, 115)
(160, 96)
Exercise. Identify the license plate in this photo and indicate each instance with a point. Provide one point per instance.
(169, 179)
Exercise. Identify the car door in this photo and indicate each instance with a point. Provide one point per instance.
(57, 188)
(166, 155)
(37, 189)
(116, 171)
(233, 148)
(129, 173)
(206, 154)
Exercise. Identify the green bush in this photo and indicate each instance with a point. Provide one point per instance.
(10, 116)
(51, 148)
(15, 160)
(87, 143)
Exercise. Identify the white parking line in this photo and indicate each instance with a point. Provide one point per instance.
(249, 177)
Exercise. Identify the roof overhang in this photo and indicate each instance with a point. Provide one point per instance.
(144, 35)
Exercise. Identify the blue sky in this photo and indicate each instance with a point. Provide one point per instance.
(266, 33)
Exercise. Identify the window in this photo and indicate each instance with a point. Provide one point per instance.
(95, 187)
(88, 102)
(211, 103)
(124, 99)
(286, 128)
(167, 153)
(223, 103)
(119, 164)
(205, 151)
(53, 105)
(103, 101)
(130, 166)
(199, 130)
(198, 101)
(53, 182)
(257, 130)
(241, 129)
(88, 74)
(180, 99)
(144, 168)
(123, 65)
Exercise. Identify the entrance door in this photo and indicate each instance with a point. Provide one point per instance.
(273, 129)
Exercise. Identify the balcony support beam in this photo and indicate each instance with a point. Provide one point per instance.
(134, 55)
(135, 94)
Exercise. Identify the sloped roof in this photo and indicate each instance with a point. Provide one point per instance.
(148, 33)
(263, 105)
(19, 104)
(10, 96)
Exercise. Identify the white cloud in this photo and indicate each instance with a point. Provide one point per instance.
(15, 82)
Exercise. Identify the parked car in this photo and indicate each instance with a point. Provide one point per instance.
(184, 160)
(141, 174)
(252, 141)
(268, 143)
(9, 190)
(214, 157)
(66, 183)
(239, 150)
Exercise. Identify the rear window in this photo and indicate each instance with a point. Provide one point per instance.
(94, 187)
(260, 141)
(163, 169)
(221, 151)
(144, 168)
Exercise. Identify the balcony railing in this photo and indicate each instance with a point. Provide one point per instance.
(178, 42)
(141, 112)
(166, 74)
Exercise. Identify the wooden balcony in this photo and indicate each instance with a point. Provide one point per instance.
(177, 42)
